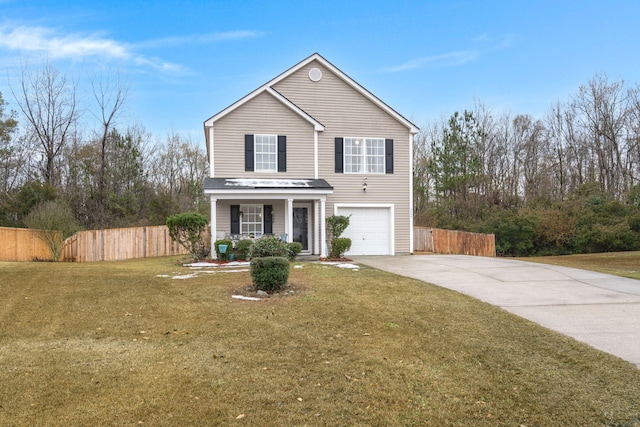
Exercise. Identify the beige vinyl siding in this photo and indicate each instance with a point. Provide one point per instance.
(262, 115)
(345, 112)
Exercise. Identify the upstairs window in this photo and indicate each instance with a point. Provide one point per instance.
(364, 155)
(266, 153)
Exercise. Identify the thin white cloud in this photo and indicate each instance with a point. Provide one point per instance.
(199, 39)
(496, 42)
(444, 60)
(26, 39)
(39, 39)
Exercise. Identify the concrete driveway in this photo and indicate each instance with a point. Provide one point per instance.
(595, 308)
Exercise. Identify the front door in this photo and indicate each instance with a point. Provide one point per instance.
(302, 226)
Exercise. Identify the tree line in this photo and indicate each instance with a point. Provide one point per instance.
(565, 183)
(57, 146)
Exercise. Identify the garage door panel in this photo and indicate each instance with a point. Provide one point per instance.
(369, 230)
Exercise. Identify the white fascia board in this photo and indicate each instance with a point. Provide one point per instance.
(316, 124)
(230, 108)
(337, 206)
(269, 194)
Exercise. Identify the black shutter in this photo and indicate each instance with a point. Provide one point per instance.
(339, 155)
(248, 153)
(235, 219)
(282, 153)
(388, 155)
(268, 219)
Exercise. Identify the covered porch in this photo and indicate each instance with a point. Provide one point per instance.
(249, 208)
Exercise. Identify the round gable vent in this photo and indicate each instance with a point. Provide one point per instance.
(315, 74)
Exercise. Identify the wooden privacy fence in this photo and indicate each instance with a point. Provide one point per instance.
(453, 242)
(121, 243)
(22, 244)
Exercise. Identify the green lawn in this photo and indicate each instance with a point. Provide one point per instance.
(625, 264)
(124, 343)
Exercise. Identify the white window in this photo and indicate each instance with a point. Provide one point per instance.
(251, 220)
(266, 153)
(364, 155)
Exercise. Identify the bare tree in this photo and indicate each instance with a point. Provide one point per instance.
(110, 94)
(178, 171)
(603, 109)
(47, 100)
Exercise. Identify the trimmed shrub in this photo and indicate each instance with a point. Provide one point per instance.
(269, 246)
(340, 245)
(243, 248)
(337, 224)
(269, 273)
(223, 256)
(293, 249)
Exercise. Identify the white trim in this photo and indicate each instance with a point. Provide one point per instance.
(268, 194)
(363, 155)
(213, 226)
(317, 126)
(289, 220)
(265, 89)
(316, 227)
(411, 193)
(392, 218)
(211, 155)
(315, 154)
(323, 228)
(255, 153)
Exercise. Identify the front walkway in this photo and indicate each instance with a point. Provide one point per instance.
(598, 309)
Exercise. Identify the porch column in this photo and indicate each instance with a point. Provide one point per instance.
(213, 226)
(289, 220)
(323, 228)
(316, 227)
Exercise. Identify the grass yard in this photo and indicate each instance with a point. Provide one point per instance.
(115, 343)
(625, 264)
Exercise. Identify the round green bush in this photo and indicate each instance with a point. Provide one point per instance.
(269, 273)
(243, 248)
(340, 245)
(293, 249)
(267, 246)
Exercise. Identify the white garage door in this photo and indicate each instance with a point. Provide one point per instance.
(369, 230)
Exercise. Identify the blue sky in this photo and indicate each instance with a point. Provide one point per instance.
(186, 60)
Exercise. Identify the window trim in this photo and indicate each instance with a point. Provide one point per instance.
(273, 137)
(364, 156)
(260, 210)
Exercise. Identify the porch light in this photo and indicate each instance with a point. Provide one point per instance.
(364, 186)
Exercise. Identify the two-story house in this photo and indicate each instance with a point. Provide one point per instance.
(309, 144)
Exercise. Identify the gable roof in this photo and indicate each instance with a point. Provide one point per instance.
(267, 87)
